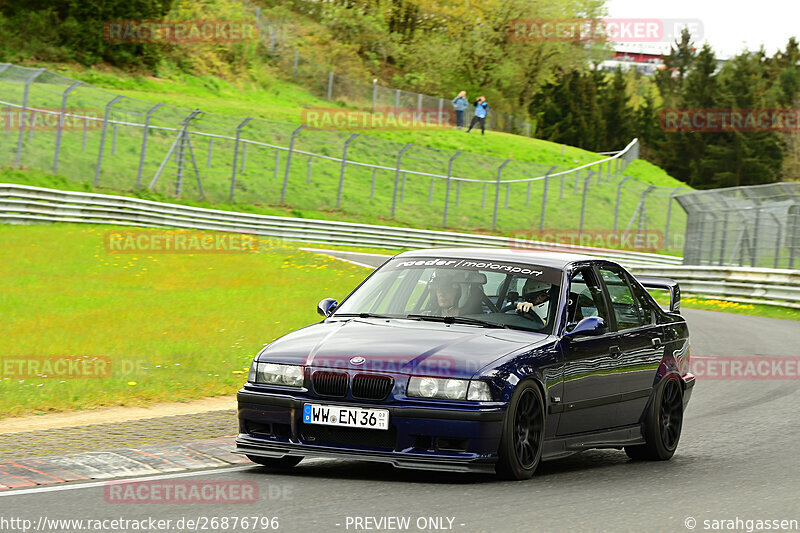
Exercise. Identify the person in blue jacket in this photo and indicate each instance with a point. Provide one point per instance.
(481, 108)
(460, 104)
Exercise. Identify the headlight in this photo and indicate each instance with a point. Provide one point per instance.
(479, 392)
(273, 374)
(448, 389)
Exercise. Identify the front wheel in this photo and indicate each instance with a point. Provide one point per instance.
(281, 463)
(520, 448)
(663, 423)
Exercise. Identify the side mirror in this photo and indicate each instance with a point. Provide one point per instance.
(591, 326)
(327, 306)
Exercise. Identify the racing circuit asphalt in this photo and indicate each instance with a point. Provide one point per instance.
(738, 457)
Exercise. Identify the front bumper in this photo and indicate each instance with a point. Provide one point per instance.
(459, 440)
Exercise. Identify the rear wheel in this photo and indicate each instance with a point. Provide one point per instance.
(520, 448)
(663, 423)
(281, 463)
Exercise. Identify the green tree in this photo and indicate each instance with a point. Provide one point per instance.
(617, 113)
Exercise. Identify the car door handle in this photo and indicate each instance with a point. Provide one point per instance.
(656, 341)
(614, 351)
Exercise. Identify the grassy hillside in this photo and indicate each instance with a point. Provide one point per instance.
(312, 187)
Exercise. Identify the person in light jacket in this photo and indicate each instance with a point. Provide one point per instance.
(460, 104)
(481, 108)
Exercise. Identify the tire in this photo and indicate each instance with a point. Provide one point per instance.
(520, 449)
(282, 463)
(662, 425)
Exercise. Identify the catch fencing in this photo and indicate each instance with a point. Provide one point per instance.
(756, 226)
(56, 124)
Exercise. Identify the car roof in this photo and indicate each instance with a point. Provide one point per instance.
(514, 255)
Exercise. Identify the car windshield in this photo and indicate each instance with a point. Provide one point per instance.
(477, 292)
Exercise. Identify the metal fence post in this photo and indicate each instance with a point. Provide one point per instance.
(497, 192)
(616, 209)
(182, 146)
(723, 239)
(397, 176)
(544, 196)
(330, 85)
(341, 172)
(25, 93)
(396, 101)
(289, 161)
(143, 153)
(372, 188)
(447, 187)
(61, 116)
(236, 154)
(103, 138)
(419, 107)
(778, 239)
(583, 203)
(430, 192)
(441, 111)
(669, 216)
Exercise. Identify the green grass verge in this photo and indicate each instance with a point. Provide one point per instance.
(175, 326)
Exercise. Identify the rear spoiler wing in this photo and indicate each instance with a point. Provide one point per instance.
(666, 284)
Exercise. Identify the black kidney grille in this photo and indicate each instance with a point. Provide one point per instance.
(327, 383)
(372, 387)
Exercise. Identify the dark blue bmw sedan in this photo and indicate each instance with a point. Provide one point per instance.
(475, 360)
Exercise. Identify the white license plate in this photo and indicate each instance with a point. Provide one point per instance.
(337, 415)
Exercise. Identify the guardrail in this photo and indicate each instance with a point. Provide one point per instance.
(734, 284)
(737, 284)
(25, 204)
(22, 204)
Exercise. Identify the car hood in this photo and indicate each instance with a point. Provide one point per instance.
(398, 346)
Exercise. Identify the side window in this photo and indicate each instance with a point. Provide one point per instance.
(494, 280)
(585, 297)
(626, 308)
(645, 309)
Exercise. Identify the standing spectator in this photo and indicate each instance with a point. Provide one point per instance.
(481, 107)
(460, 104)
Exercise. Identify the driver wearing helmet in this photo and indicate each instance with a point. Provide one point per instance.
(535, 293)
(447, 293)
